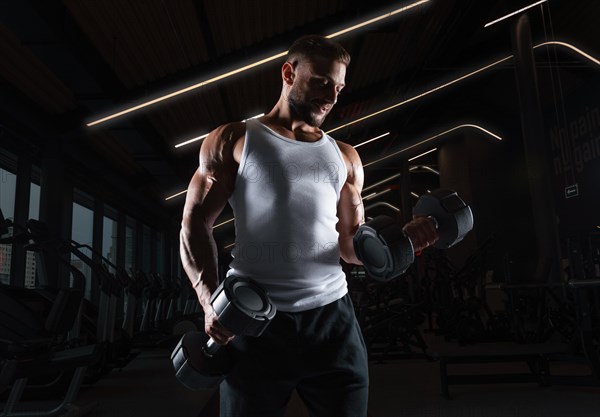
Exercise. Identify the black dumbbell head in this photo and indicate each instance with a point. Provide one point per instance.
(382, 247)
(195, 370)
(453, 216)
(242, 306)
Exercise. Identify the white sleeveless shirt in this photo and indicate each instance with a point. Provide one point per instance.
(285, 206)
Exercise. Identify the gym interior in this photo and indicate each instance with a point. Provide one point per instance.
(104, 106)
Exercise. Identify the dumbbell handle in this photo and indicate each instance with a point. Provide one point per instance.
(210, 348)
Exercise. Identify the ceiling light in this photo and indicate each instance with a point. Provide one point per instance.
(425, 167)
(415, 195)
(373, 195)
(382, 203)
(514, 13)
(571, 47)
(244, 68)
(377, 19)
(408, 148)
(224, 223)
(423, 154)
(187, 142)
(253, 117)
(175, 195)
(383, 181)
(371, 140)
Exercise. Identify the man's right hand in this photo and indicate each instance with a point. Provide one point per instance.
(214, 329)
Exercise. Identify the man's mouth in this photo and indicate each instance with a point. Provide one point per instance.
(322, 107)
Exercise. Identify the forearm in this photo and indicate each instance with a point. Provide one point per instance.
(347, 252)
(198, 251)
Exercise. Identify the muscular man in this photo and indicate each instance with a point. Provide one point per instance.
(296, 197)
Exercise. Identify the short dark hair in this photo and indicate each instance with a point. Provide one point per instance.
(310, 46)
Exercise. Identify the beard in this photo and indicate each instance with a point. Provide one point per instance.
(304, 110)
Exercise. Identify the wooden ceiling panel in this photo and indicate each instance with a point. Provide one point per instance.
(142, 41)
(238, 24)
(20, 67)
(188, 116)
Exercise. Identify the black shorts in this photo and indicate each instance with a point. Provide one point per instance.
(319, 352)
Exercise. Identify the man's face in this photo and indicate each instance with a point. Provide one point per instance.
(316, 88)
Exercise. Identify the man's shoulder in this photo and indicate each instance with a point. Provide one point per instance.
(229, 132)
(348, 151)
(354, 166)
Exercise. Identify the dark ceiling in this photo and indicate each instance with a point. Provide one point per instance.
(65, 63)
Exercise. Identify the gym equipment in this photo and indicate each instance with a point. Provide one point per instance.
(19, 372)
(244, 308)
(386, 251)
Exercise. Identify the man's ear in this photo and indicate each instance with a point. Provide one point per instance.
(288, 73)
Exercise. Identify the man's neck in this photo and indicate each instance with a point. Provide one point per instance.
(281, 120)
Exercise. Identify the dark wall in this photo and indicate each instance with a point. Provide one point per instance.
(491, 177)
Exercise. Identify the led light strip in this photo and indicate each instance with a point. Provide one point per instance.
(371, 140)
(383, 203)
(393, 177)
(377, 19)
(514, 13)
(187, 142)
(571, 47)
(557, 43)
(423, 154)
(425, 167)
(373, 195)
(246, 67)
(408, 148)
(175, 195)
(383, 181)
(224, 223)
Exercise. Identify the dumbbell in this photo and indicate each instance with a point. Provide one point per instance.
(386, 252)
(242, 307)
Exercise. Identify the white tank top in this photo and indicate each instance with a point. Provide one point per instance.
(285, 207)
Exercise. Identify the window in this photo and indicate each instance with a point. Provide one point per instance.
(109, 236)
(82, 233)
(160, 254)
(8, 183)
(130, 245)
(34, 201)
(34, 213)
(147, 247)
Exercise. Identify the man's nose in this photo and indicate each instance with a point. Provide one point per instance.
(332, 95)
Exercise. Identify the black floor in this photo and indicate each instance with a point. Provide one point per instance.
(407, 387)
